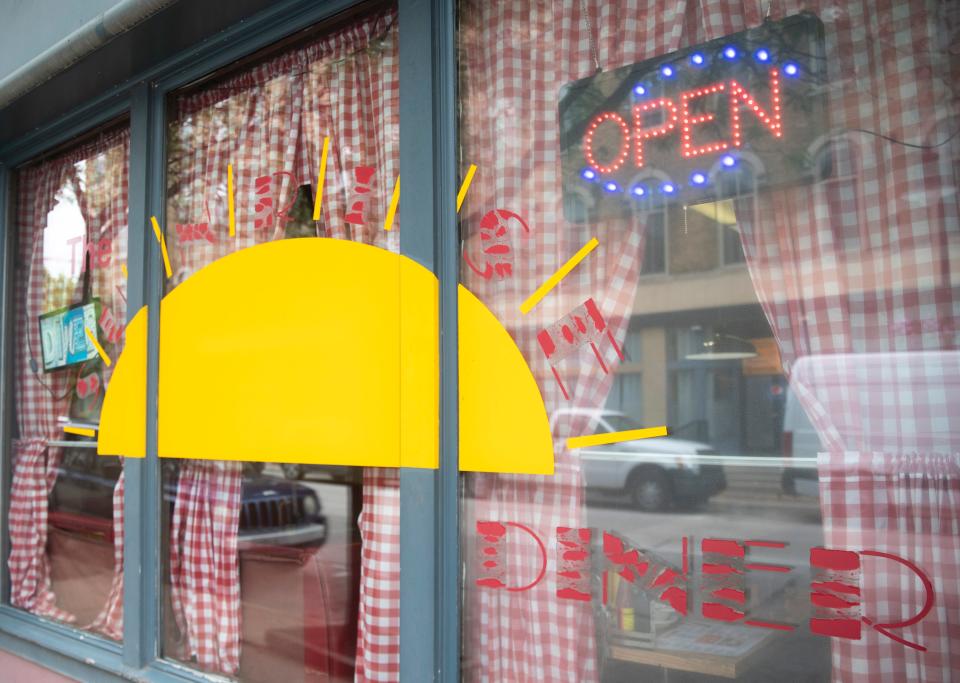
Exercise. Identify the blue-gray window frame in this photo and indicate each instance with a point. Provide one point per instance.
(429, 520)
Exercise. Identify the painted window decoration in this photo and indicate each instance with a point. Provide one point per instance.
(498, 231)
(583, 326)
(692, 115)
(713, 585)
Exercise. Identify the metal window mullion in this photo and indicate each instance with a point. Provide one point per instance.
(141, 505)
(429, 505)
(7, 271)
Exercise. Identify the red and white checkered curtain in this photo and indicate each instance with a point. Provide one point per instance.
(856, 276)
(204, 564)
(515, 57)
(97, 175)
(270, 124)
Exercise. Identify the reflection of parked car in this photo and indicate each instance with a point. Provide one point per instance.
(299, 591)
(799, 440)
(274, 512)
(343, 474)
(655, 473)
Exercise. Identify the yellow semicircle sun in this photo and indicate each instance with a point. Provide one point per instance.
(322, 351)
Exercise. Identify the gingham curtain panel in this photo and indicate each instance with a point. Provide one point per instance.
(855, 277)
(270, 124)
(204, 563)
(102, 198)
(515, 56)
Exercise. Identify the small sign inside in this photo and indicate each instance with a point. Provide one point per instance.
(716, 120)
(63, 338)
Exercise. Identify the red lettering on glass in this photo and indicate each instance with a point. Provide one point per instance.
(687, 122)
(740, 96)
(263, 210)
(723, 568)
(363, 176)
(640, 133)
(88, 386)
(112, 330)
(191, 232)
(725, 565)
(73, 242)
(496, 244)
(104, 252)
(663, 583)
(622, 153)
(583, 325)
(573, 564)
(100, 253)
(928, 593)
(492, 571)
(835, 593)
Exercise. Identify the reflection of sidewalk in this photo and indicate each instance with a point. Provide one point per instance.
(759, 486)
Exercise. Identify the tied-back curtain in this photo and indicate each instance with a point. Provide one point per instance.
(515, 58)
(94, 175)
(269, 124)
(856, 275)
(204, 564)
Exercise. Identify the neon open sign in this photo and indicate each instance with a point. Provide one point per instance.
(707, 122)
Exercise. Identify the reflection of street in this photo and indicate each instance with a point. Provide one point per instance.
(336, 503)
(798, 526)
(752, 508)
(338, 564)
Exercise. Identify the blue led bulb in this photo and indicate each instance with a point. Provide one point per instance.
(762, 55)
(698, 178)
(791, 69)
(588, 174)
(638, 190)
(668, 188)
(639, 90)
(697, 59)
(730, 52)
(728, 160)
(611, 186)
(667, 71)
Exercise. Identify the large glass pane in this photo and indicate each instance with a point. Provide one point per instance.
(65, 501)
(264, 578)
(788, 171)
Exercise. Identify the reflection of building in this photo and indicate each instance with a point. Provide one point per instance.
(696, 285)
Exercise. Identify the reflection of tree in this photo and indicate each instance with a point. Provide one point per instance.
(58, 290)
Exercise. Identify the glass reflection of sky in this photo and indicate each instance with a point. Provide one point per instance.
(62, 250)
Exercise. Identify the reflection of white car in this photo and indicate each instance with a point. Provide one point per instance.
(654, 472)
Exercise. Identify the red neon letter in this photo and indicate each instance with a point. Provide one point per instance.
(739, 94)
(492, 572)
(624, 142)
(640, 133)
(687, 122)
(573, 566)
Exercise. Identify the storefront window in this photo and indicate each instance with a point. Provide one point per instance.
(265, 577)
(66, 502)
(792, 168)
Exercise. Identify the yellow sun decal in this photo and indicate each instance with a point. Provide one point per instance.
(323, 351)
